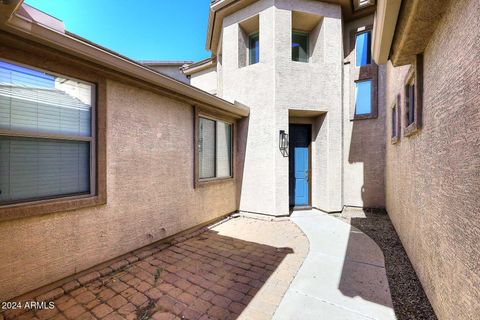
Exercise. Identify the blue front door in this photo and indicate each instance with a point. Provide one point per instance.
(299, 165)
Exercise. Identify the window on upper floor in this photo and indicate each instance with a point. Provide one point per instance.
(363, 42)
(363, 97)
(253, 48)
(214, 148)
(300, 46)
(47, 136)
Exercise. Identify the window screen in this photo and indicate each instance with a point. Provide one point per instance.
(45, 134)
(363, 97)
(215, 149)
(207, 148)
(300, 46)
(362, 49)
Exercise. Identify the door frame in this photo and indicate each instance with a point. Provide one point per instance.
(309, 205)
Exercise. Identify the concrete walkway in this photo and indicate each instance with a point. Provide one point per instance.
(343, 276)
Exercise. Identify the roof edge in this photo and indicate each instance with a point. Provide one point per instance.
(199, 66)
(26, 27)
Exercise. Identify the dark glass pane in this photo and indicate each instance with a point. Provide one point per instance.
(394, 122)
(300, 47)
(410, 100)
(253, 48)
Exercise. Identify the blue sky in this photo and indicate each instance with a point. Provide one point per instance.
(139, 29)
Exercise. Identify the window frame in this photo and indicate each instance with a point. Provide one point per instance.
(44, 60)
(414, 77)
(357, 33)
(366, 72)
(215, 116)
(307, 49)
(373, 96)
(256, 33)
(395, 110)
(44, 136)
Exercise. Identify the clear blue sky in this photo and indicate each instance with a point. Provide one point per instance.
(138, 29)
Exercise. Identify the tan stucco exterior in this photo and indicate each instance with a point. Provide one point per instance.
(428, 181)
(150, 165)
(433, 177)
(347, 158)
(150, 196)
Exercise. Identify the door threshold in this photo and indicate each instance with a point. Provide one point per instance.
(299, 208)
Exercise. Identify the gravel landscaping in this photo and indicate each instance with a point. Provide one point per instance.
(409, 299)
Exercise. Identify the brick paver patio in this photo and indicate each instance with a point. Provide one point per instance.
(238, 269)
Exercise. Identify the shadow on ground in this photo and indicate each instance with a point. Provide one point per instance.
(209, 276)
(409, 299)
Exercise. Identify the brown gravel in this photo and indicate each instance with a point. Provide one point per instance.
(409, 300)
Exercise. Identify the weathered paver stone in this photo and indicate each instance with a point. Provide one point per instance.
(216, 274)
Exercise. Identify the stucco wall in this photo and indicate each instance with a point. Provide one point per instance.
(150, 168)
(275, 85)
(433, 177)
(172, 71)
(205, 80)
(363, 143)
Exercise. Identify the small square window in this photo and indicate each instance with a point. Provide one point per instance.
(300, 46)
(362, 49)
(253, 48)
(363, 97)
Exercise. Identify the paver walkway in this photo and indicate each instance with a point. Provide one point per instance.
(238, 269)
(342, 277)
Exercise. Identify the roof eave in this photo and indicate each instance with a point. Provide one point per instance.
(384, 29)
(26, 28)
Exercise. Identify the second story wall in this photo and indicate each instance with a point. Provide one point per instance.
(205, 80)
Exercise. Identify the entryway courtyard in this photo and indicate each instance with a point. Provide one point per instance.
(310, 266)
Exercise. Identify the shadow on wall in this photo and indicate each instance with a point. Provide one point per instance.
(408, 298)
(367, 147)
(241, 149)
(210, 276)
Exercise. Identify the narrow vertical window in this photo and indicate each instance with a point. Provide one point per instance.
(362, 49)
(253, 48)
(224, 149)
(46, 135)
(214, 148)
(363, 97)
(413, 93)
(299, 46)
(206, 148)
(396, 120)
(410, 103)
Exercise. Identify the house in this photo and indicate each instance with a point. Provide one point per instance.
(303, 104)
(172, 69)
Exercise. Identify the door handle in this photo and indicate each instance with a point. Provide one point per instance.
(306, 175)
